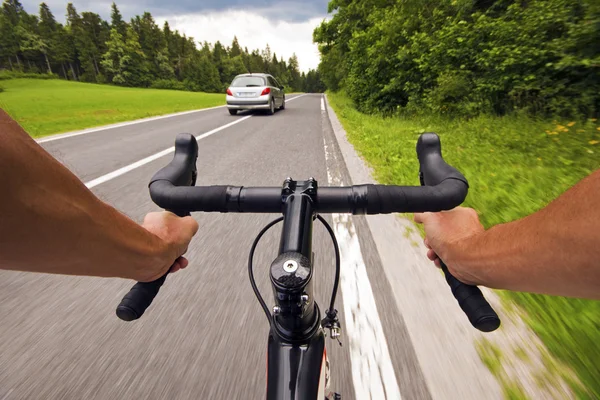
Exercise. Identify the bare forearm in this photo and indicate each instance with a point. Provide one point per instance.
(554, 251)
(50, 222)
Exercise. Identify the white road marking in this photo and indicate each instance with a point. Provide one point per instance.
(137, 121)
(372, 369)
(137, 164)
(322, 104)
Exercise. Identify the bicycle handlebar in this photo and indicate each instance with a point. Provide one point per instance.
(446, 188)
(443, 188)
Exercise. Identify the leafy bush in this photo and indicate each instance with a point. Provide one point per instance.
(470, 57)
(168, 84)
(5, 75)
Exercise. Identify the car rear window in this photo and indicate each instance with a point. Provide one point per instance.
(248, 81)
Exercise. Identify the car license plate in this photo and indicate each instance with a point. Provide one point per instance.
(246, 94)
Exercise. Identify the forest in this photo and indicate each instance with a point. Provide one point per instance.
(465, 57)
(138, 53)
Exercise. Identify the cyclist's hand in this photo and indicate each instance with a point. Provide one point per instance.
(447, 234)
(176, 234)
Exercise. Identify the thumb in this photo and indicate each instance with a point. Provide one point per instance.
(422, 218)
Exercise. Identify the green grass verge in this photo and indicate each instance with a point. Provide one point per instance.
(515, 165)
(44, 107)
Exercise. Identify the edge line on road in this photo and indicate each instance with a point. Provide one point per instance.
(373, 372)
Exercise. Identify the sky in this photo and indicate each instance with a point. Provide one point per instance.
(285, 25)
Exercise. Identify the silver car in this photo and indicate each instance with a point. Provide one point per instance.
(255, 92)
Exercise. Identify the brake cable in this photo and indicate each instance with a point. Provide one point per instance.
(331, 312)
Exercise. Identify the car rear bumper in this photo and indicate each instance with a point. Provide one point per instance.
(237, 103)
(247, 105)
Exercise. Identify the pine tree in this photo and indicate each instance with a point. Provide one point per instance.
(116, 20)
(236, 50)
(48, 34)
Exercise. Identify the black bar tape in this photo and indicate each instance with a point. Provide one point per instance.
(388, 199)
(187, 199)
(139, 298)
(470, 299)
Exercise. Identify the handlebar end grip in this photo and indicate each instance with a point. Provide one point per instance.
(126, 313)
(139, 298)
(470, 299)
(487, 324)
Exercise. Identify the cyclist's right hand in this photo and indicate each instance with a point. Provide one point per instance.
(448, 235)
(175, 234)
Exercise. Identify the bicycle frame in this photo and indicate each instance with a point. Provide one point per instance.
(297, 361)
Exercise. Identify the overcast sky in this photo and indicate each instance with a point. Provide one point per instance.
(286, 25)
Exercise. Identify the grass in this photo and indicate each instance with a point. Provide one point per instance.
(515, 165)
(491, 356)
(45, 107)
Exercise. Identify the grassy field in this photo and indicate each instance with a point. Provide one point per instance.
(44, 107)
(515, 166)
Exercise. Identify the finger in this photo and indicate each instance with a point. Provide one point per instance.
(431, 255)
(183, 262)
(426, 242)
(176, 265)
(438, 263)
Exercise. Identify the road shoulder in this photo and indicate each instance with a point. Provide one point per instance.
(443, 340)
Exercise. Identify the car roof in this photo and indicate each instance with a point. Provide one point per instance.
(254, 74)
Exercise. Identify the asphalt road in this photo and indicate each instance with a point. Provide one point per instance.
(205, 335)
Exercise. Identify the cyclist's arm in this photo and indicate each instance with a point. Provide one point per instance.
(50, 222)
(553, 251)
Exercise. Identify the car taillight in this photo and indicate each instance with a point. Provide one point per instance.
(229, 92)
(266, 91)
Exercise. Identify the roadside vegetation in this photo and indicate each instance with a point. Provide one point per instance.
(515, 165)
(513, 90)
(45, 107)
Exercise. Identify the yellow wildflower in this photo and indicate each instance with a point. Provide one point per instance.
(571, 124)
(593, 142)
(559, 127)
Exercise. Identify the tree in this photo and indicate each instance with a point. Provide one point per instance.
(116, 20)
(48, 35)
(236, 50)
(294, 73)
(124, 59)
(9, 40)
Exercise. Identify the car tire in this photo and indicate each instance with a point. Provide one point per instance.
(282, 104)
(271, 110)
(233, 112)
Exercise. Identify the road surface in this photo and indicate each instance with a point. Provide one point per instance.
(205, 335)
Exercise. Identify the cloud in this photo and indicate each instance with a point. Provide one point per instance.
(254, 31)
(286, 10)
